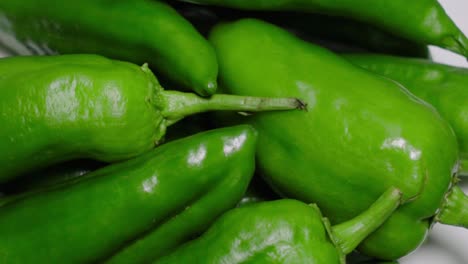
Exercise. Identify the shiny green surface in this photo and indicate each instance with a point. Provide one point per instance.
(98, 214)
(134, 30)
(282, 231)
(445, 87)
(64, 107)
(58, 108)
(361, 133)
(422, 21)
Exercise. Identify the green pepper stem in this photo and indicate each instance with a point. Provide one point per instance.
(348, 235)
(455, 210)
(177, 105)
(457, 43)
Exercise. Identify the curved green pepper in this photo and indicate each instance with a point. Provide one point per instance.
(361, 134)
(282, 231)
(58, 108)
(443, 86)
(138, 31)
(423, 21)
(344, 33)
(196, 179)
(66, 171)
(336, 33)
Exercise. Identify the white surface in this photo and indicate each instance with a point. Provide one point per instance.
(445, 244)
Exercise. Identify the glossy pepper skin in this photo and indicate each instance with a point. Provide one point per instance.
(361, 133)
(58, 108)
(138, 31)
(63, 172)
(443, 86)
(423, 21)
(196, 178)
(282, 231)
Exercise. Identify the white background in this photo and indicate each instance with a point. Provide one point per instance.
(445, 244)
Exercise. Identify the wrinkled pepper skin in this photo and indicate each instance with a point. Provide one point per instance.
(123, 202)
(282, 231)
(361, 133)
(63, 107)
(58, 108)
(443, 86)
(424, 21)
(139, 31)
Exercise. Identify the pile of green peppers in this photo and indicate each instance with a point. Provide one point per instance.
(318, 131)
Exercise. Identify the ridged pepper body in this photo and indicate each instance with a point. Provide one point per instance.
(196, 179)
(139, 31)
(361, 134)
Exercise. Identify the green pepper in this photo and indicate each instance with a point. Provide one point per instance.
(443, 86)
(336, 33)
(138, 31)
(66, 171)
(339, 33)
(362, 133)
(58, 108)
(194, 179)
(424, 22)
(282, 231)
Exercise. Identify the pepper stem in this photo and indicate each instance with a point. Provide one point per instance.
(348, 235)
(455, 210)
(457, 43)
(177, 105)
